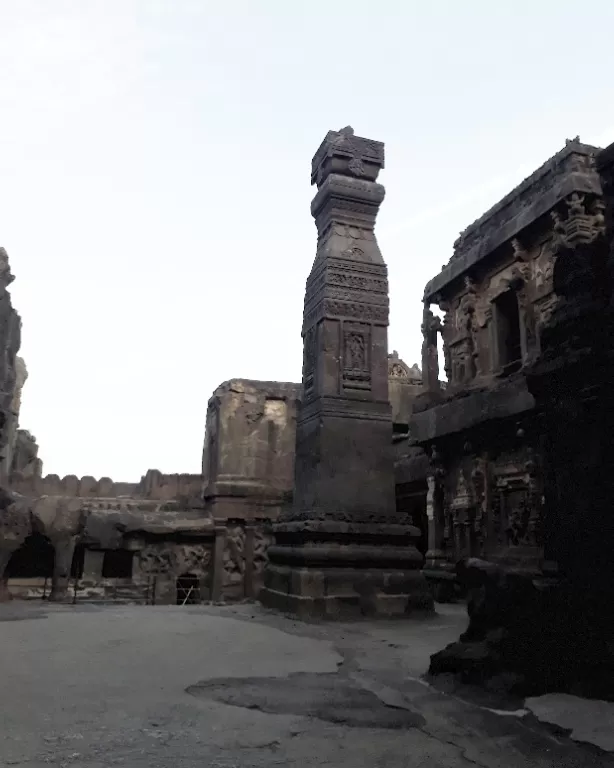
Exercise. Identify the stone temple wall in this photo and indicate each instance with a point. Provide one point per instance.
(248, 456)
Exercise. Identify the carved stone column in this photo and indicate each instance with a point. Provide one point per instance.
(435, 511)
(343, 548)
(437, 568)
(64, 551)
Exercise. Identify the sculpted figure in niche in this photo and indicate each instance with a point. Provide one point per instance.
(518, 523)
(431, 326)
(396, 369)
(469, 326)
(558, 230)
(355, 357)
(575, 205)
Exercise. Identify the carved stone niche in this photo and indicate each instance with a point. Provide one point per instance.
(513, 528)
(462, 336)
(512, 329)
(463, 363)
(356, 353)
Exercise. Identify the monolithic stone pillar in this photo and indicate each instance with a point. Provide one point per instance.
(438, 569)
(431, 326)
(64, 551)
(435, 511)
(343, 548)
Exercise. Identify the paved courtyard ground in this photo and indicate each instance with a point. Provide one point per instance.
(231, 687)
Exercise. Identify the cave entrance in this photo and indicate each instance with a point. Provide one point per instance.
(188, 589)
(34, 559)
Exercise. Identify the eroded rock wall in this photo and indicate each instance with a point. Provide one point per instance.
(248, 456)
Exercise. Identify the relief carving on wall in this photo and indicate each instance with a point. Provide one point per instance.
(543, 267)
(156, 560)
(397, 371)
(175, 559)
(463, 347)
(234, 555)
(262, 541)
(517, 514)
(585, 221)
(193, 558)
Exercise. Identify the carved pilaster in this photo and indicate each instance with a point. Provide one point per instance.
(435, 509)
(481, 492)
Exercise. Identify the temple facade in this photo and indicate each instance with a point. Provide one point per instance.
(481, 433)
(537, 564)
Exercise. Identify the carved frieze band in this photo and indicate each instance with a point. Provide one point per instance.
(346, 295)
(368, 313)
(346, 266)
(327, 282)
(358, 282)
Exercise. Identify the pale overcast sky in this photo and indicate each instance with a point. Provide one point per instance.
(154, 183)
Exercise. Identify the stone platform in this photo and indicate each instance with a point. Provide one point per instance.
(339, 570)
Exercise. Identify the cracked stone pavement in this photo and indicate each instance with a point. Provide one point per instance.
(228, 687)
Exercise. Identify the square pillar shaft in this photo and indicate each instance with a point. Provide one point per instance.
(343, 532)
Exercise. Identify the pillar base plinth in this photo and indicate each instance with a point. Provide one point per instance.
(345, 593)
(331, 570)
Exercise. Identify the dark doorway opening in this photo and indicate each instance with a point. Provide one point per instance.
(508, 331)
(117, 564)
(188, 589)
(34, 559)
(411, 501)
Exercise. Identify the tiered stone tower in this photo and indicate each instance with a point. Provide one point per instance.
(342, 548)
